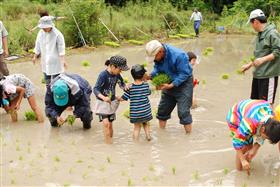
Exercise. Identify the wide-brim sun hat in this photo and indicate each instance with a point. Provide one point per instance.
(45, 22)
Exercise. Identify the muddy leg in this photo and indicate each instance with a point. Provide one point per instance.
(136, 131)
(35, 108)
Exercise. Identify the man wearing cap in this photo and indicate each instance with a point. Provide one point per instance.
(50, 46)
(174, 62)
(68, 90)
(4, 52)
(267, 58)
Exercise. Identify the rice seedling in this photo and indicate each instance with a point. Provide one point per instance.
(13, 181)
(85, 63)
(174, 170)
(126, 113)
(136, 42)
(219, 182)
(225, 76)
(129, 182)
(56, 158)
(160, 79)
(71, 119)
(85, 175)
(174, 36)
(239, 72)
(124, 173)
(79, 161)
(195, 175)
(30, 116)
(112, 44)
(66, 184)
(208, 51)
(151, 168)
(43, 81)
(108, 159)
(226, 171)
(20, 158)
(17, 148)
(145, 178)
(125, 80)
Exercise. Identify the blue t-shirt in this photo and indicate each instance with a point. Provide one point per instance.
(106, 84)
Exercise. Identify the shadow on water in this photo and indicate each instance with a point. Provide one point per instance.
(36, 154)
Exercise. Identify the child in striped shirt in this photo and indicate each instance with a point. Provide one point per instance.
(246, 119)
(140, 108)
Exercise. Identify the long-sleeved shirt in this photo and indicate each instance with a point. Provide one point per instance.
(140, 108)
(175, 63)
(3, 33)
(196, 16)
(267, 42)
(106, 84)
(50, 45)
(245, 118)
(80, 100)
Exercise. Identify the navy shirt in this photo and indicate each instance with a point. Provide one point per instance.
(106, 84)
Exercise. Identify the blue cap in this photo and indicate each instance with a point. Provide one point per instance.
(60, 93)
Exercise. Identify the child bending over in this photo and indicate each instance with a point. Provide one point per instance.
(250, 118)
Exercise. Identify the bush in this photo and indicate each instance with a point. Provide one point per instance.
(87, 15)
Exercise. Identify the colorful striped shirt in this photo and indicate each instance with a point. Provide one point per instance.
(245, 118)
(140, 108)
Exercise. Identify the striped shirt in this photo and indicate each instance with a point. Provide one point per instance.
(140, 108)
(245, 119)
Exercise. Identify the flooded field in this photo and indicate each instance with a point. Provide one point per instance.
(37, 155)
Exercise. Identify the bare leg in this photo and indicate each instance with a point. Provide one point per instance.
(136, 131)
(279, 146)
(147, 131)
(162, 124)
(35, 108)
(188, 128)
(106, 131)
(237, 160)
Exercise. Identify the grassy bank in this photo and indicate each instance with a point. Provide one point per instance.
(136, 21)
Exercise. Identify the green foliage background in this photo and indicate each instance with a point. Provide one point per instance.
(128, 19)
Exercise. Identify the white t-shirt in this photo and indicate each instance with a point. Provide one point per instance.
(50, 45)
(196, 16)
(3, 33)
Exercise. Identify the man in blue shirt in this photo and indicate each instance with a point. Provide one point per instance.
(175, 63)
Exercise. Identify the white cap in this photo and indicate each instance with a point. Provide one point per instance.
(152, 48)
(256, 13)
(45, 22)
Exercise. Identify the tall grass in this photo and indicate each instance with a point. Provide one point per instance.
(137, 20)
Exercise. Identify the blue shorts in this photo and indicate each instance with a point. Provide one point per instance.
(182, 96)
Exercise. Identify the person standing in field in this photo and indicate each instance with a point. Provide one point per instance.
(50, 46)
(266, 60)
(4, 52)
(175, 63)
(105, 92)
(197, 18)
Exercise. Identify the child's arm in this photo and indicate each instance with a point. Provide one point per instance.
(104, 98)
(252, 152)
(245, 164)
(20, 91)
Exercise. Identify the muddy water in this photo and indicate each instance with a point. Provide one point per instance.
(36, 154)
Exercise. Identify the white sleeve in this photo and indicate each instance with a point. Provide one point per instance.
(37, 49)
(60, 44)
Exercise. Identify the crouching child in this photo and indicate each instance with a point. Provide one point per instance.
(68, 91)
(250, 118)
